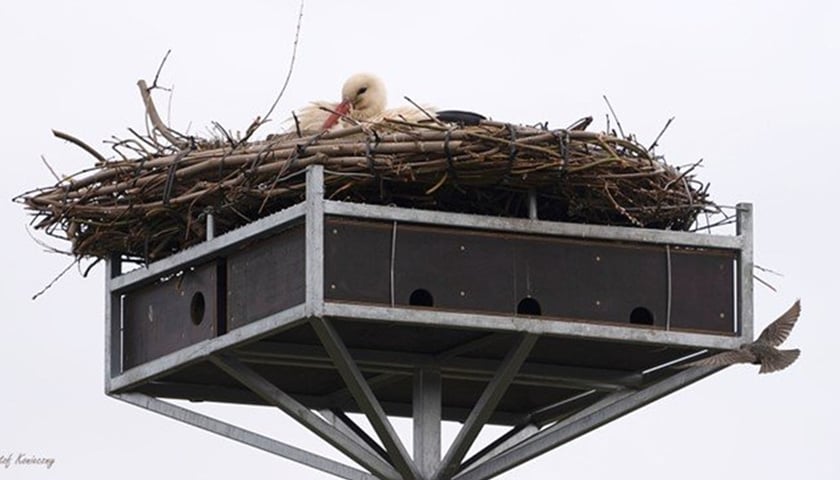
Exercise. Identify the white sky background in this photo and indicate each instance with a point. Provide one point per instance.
(754, 87)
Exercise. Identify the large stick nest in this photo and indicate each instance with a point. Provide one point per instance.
(148, 207)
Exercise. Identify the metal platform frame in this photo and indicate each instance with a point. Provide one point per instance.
(386, 456)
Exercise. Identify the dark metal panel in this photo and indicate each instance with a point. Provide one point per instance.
(468, 270)
(703, 290)
(163, 317)
(593, 281)
(266, 277)
(357, 261)
(461, 270)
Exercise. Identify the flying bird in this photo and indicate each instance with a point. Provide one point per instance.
(763, 351)
(363, 99)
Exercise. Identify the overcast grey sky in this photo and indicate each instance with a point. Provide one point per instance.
(753, 86)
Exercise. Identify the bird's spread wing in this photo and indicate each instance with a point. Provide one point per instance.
(779, 360)
(778, 331)
(729, 357)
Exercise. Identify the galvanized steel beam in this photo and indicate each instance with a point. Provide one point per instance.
(485, 405)
(523, 225)
(556, 327)
(427, 411)
(364, 397)
(360, 453)
(614, 406)
(244, 436)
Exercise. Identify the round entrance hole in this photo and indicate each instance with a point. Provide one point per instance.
(197, 308)
(641, 316)
(529, 306)
(421, 298)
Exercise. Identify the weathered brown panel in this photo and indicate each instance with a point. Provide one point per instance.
(158, 318)
(594, 281)
(462, 271)
(266, 277)
(489, 272)
(357, 259)
(703, 290)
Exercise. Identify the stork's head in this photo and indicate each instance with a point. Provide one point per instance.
(362, 96)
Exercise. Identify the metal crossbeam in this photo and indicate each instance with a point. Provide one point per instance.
(244, 436)
(600, 413)
(400, 364)
(364, 397)
(360, 453)
(339, 396)
(485, 405)
(557, 327)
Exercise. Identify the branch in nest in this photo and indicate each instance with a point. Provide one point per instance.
(84, 146)
(265, 118)
(151, 111)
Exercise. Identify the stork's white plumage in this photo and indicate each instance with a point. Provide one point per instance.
(363, 99)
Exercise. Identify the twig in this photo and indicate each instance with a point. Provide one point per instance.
(765, 283)
(418, 107)
(84, 146)
(160, 68)
(297, 124)
(656, 140)
(266, 117)
(57, 178)
(225, 133)
(617, 121)
(152, 113)
(767, 270)
(54, 280)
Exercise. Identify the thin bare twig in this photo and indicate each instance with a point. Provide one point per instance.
(267, 116)
(765, 283)
(656, 140)
(429, 115)
(157, 74)
(617, 121)
(54, 280)
(767, 270)
(84, 146)
(57, 178)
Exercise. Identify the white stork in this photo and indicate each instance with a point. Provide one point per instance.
(363, 99)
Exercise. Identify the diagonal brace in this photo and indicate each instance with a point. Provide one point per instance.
(604, 411)
(244, 436)
(485, 406)
(365, 398)
(360, 453)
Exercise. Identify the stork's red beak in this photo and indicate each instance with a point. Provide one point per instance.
(342, 109)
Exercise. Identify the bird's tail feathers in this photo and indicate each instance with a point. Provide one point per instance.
(778, 360)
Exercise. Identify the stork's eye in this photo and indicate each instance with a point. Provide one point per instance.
(361, 91)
